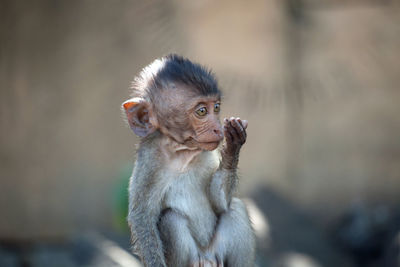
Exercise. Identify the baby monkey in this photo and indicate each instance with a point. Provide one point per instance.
(182, 209)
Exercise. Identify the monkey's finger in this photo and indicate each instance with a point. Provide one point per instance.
(226, 131)
(220, 263)
(244, 123)
(227, 134)
(233, 131)
(200, 263)
(208, 263)
(240, 131)
(226, 121)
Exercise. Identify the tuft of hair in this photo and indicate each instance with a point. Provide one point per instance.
(177, 70)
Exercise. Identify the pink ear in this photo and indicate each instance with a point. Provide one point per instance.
(138, 113)
(128, 104)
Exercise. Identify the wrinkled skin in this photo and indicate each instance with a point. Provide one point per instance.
(235, 136)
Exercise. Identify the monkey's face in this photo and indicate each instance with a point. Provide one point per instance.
(206, 126)
(191, 119)
(181, 114)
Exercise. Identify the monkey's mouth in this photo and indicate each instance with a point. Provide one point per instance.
(204, 145)
(208, 145)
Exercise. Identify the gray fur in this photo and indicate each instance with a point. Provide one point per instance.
(181, 206)
(181, 217)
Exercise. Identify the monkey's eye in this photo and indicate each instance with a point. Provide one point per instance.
(217, 107)
(201, 111)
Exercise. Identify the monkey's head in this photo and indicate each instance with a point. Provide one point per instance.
(180, 99)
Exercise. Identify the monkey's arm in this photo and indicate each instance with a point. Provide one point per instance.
(144, 212)
(224, 181)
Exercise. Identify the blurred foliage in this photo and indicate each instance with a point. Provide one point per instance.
(120, 199)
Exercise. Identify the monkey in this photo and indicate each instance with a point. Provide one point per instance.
(182, 205)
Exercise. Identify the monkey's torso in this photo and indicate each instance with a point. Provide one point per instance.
(187, 194)
(175, 194)
(183, 190)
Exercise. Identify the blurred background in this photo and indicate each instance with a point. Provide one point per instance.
(318, 81)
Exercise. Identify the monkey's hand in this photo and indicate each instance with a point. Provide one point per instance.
(207, 260)
(235, 136)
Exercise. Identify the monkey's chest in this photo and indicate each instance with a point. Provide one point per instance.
(187, 194)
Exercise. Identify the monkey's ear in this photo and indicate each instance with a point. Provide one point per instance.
(140, 116)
